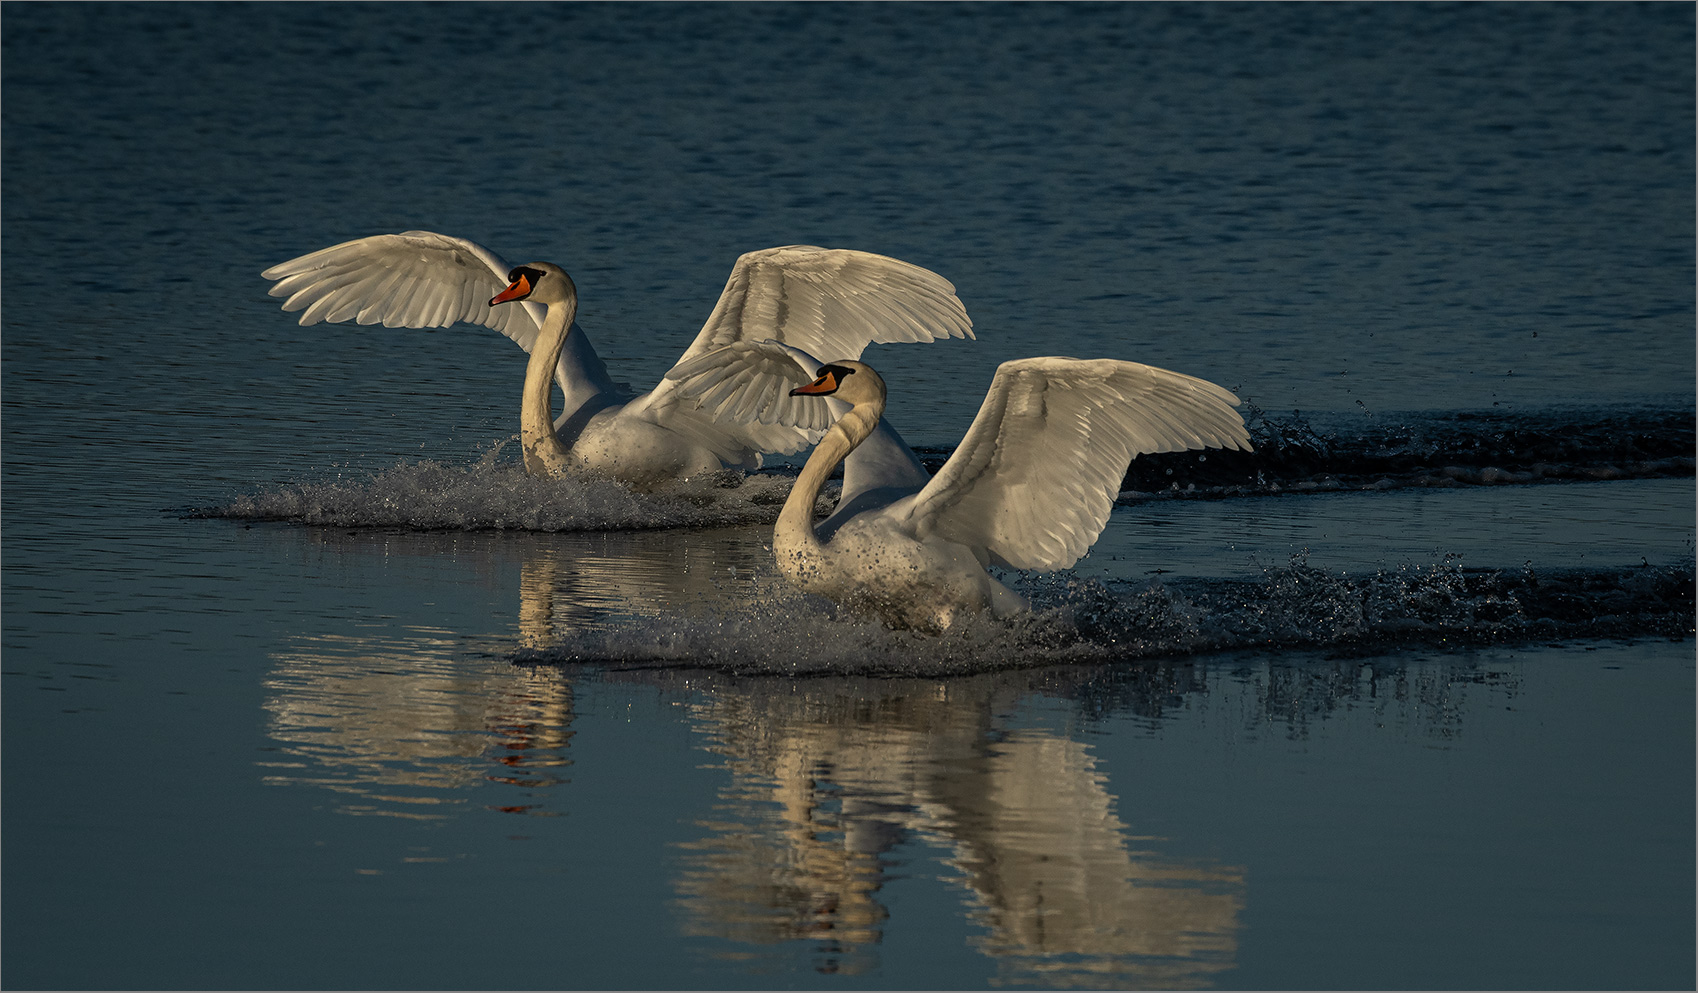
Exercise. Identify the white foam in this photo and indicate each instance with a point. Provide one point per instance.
(488, 495)
(778, 631)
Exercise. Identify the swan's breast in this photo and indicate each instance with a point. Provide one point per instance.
(638, 451)
(874, 566)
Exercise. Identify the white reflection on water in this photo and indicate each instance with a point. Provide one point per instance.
(830, 782)
(401, 726)
(594, 581)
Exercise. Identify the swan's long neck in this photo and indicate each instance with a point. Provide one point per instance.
(545, 455)
(794, 532)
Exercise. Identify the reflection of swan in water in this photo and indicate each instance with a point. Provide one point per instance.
(1029, 487)
(416, 723)
(578, 582)
(834, 301)
(402, 725)
(830, 781)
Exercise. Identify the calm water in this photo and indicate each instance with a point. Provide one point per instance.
(307, 686)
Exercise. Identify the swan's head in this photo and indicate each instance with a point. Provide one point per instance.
(543, 282)
(851, 382)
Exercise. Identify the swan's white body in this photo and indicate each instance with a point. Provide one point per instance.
(1029, 487)
(834, 301)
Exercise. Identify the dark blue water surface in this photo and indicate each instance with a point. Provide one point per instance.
(307, 685)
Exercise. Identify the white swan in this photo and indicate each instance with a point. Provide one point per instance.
(1029, 487)
(831, 300)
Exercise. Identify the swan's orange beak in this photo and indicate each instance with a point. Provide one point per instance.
(827, 383)
(517, 290)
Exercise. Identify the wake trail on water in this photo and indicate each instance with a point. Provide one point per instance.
(1085, 621)
(1293, 455)
(1296, 454)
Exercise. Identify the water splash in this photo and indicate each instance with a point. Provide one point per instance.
(1087, 621)
(431, 495)
(1294, 454)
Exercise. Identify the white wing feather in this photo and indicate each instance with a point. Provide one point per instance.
(750, 382)
(831, 303)
(418, 279)
(744, 389)
(1035, 477)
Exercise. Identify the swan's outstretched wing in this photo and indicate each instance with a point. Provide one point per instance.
(418, 279)
(1035, 477)
(831, 303)
(749, 383)
(823, 302)
(421, 279)
(740, 395)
